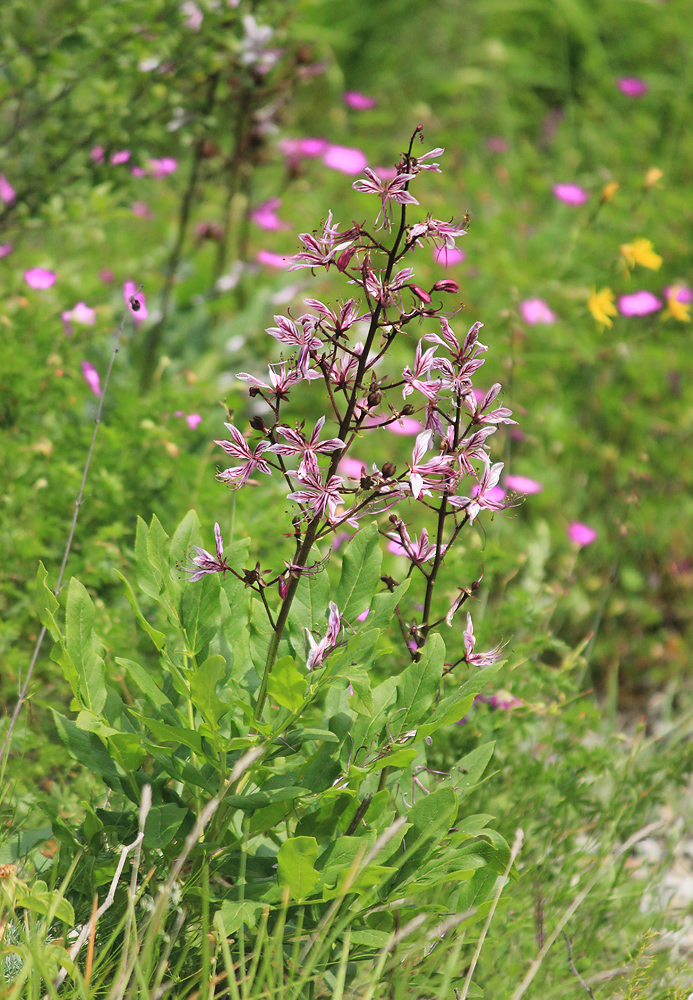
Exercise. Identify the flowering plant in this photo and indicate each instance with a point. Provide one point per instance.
(271, 721)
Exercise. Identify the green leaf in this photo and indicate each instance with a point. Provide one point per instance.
(158, 638)
(296, 866)
(203, 684)
(430, 818)
(418, 685)
(46, 598)
(469, 770)
(147, 580)
(142, 679)
(157, 551)
(399, 759)
(86, 748)
(309, 608)
(447, 712)
(200, 612)
(163, 822)
(360, 573)
(127, 749)
(185, 536)
(383, 606)
(361, 700)
(173, 734)
(232, 914)
(84, 648)
(286, 684)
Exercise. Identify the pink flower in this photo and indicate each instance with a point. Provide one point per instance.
(130, 290)
(405, 426)
(321, 498)
(423, 363)
(37, 277)
(484, 499)
(318, 649)
(279, 382)
(5, 249)
(142, 210)
(138, 172)
(523, 484)
(495, 494)
(288, 332)
(435, 474)
(571, 194)
(536, 311)
(478, 659)
(632, 86)
(581, 534)
(204, 562)
(81, 313)
(640, 303)
(296, 149)
(296, 443)
(192, 420)
(388, 191)
(91, 377)
(386, 173)
(320, 251)
(477, 407)
(160, 168)
(344, 159)
(358, 101)
(679, 292)
(265, 215)
(238, 447)
(497, 145)
(351, 467)
(97, 154)
(7, 192)
(193, 15)
(448, 256)
(270, 259)
(107, 276)
(120, 157)
(418, 551)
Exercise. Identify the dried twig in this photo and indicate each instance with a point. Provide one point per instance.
(571, 966)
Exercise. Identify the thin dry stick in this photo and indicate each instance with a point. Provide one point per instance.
(90, 946)
(573, 969)
(579, 899)
(78, 503)
(519, 837)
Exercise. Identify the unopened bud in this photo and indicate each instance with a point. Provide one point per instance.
(608, 191)
(374, 397)
(135, 304)
(653, 175)
(389, 469)
(446, 285)
(258, 424)
(394, 519)
(406, 410)
(420, 293)
(282, 588)
(254, 390)
(344, 258)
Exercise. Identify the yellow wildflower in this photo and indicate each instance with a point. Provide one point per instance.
(608, 191)
(653, 175)
(677, 310)
(641, 252)
(601, 305)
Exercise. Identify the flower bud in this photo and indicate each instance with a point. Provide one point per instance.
(344, 258)
(446, 285)
(282, 588)
(406, 410)
(389, 469)
(135, 304)
(254, 390)
(608, 191)
(374, 397)
(258, 424)
(420, 293)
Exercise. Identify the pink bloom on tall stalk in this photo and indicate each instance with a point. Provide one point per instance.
(320, 251)
(484, 499)
(275, 260)
(321, 498)
(193, 420)
(640, 303)
(448, 256)
(413, 379)
(495, 494)
(265, 215)
(571, 194)
(388, 191)
(296, 443)
(632, 86)
(581, 534)
(120, 157)
(39, 278)
(418, 552)
(163, 167)
(91, 377)
(204, 562)
(536, 311)
(433, 474)
(478, 407)
(479, 659)
(238, 475)
(130, 291)
(358, 101)
(7, 192)
(523, 484)
(97, 154)
(344, 159)
(288, 332)
(5, 249)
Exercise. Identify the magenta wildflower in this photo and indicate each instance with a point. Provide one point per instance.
(238, 475)
(447, 257)
(632, 86)
(581, 534)
(358, 101)
(275, 260)
(138, 171)
(679, 292)
(321, 250)
(81, 313)
(417, 162)
(294, 335)
(321, 498)
(317, 650)
(5, 249)
(640, 303)
(496, 144)
(387, 293)
(344, 159)
(388, 191)
(39, 278)
(193, 420)
(130, 292)
(353, 468)
(523, 484)
(7, 192)
(478, 659)
(204, 562)
(339, 322)
(120, 157)
(279, 382)
(297, 149)
(296, 443)
(442, 233)
(163, 167)
(141, 209)
(571, 194)
(484, 499)
(91, 377)
(265, 215)
(97, 154)
(107, 276)
(423, 363)
(536, 311)
(193, 15)
(405, 426)
(495, 493)
(418, 552)
(477, 407)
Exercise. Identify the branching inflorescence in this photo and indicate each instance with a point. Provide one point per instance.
(452, 446)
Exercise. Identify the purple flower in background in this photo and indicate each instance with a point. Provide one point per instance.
(523, 484)
(448, 256)
(161, 168)
(107, 276)
(5, 249)
(296, 149)
(353, 468)
(265, 215)
(497, 145)
(81, 313)
(193, 15)
(405, 426)
(97, 154)
(7, 192)
(138, 172)
(581, 534)
(193, 420)
(37, 277)
(142, 210)
(632, 86)
(130, 290)
(204, 562)
(120, 157)
(571, 194)
(358, 101)
(344, 159)
(270, 259)
(500, 699)
(495, 493)
(640, 303)
(91, 377)
(536, 311)
(680, 292)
